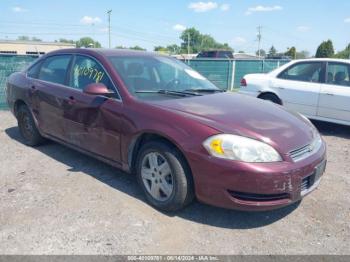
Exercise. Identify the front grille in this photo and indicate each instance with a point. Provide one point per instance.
(258, 197)
(300, 153)
(305, 184)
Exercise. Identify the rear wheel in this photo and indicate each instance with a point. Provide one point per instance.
(271, 97)
(27, 127)
(164, 176)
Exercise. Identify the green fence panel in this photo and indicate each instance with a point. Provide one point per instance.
(244, 67)
(8, 65)
(217, 71)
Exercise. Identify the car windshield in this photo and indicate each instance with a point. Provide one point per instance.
(147, 76)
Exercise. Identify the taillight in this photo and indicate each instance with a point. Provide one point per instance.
(243, 82)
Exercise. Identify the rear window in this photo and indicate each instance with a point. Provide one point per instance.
(54, 69)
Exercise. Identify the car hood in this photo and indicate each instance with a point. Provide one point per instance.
(246, 116)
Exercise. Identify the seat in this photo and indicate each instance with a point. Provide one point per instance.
(135, 80)
(339, 79)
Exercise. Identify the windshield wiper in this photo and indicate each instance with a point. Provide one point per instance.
(203, 90)
(168, 92)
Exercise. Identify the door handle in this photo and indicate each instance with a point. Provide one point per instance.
(280, 87)
(71, 100)
(329, 94)
(32, 89)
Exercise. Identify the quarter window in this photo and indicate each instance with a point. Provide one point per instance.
(86, 71)
(54, 69)
(338, 74)
(306, 72)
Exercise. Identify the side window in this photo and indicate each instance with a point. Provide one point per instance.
(306, 72)
(54, 69)
(338, 74)
(85, 71)
(33, 72)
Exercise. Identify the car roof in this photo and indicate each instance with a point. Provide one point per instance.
(323, 60)
(105, 52)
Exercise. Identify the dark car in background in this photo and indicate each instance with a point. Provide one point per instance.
(183, 137)
(216, 54)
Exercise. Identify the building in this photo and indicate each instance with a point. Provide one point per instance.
(30, 47)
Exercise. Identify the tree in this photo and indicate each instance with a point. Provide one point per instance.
(191, 40)
(174, 49)
(325, 49)
(262, 52)
(292, 52)
(136, 47)
(194, 42)
(27, 38)
(67, 41)
(345, 54)
(160, 49)
(302, 54)
(88, 42)
(272, 51)
(23, 38)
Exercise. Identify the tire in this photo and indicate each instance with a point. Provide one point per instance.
(174, 189)
(27, 127)
(271, 97)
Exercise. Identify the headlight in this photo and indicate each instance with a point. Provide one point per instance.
(317, 142)
(241, 148)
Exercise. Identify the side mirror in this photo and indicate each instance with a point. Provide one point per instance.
(97, 89)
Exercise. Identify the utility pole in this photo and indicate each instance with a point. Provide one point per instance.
(188, 44)
(259, 36)
(109, 28)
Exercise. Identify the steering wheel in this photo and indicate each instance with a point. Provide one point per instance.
(172, 83)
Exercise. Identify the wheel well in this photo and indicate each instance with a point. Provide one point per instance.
(17, 105)
(144, 138)
(272, 94)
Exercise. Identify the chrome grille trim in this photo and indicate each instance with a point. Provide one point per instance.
(301, 153)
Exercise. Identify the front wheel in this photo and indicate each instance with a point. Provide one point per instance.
(164, 176)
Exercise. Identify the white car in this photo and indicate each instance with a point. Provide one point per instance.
(316, 88)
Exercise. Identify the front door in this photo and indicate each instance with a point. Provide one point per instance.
(90, 124)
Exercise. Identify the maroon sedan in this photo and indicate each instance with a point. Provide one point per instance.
(183, 137)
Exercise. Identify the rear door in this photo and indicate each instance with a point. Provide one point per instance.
(335, 93)
(299, 86)
(48, 93)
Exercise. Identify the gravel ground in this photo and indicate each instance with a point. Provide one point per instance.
(54, 200)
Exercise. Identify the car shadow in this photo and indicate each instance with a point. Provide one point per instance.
(330, 129)
(196, 212)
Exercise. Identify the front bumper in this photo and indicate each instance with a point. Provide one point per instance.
(255, 186)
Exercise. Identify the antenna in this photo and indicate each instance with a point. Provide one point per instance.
(109, 12)
(259, 36)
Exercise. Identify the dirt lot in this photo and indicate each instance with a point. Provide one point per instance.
(54, 200)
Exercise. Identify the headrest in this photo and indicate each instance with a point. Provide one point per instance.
(340, 76)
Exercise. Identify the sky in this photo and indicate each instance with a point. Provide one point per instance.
(300, 23)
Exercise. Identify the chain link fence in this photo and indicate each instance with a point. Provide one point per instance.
(225, 74)
(8, 65)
